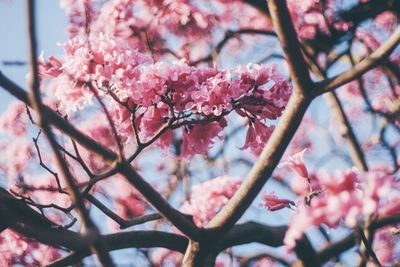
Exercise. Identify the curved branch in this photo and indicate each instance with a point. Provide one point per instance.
(229, 35)
(137, 239)
(285, 130)
(90, 227)
(241, 234)
(373, 60)
(349, 241)
(287, 36)
(60, 123)
(151, 195)
(264, 166)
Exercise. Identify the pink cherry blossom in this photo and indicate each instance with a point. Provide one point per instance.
(14, 120)
(257, 136)
(198, 138)
(15, 157)
(209, 197)
(273, 203)
(130, 207)
(386, 20)
(385, 242)
(158, 92)
(391, 207)
(16, 249)
(296, 163)
(346, 196)
(161, 257)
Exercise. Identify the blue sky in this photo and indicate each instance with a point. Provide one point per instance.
(51, 26)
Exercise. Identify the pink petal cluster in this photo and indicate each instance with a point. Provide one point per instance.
(147, 25)
(130, 207)
(162, 257)
(308, 18)
(303, 183)
(128, 202)
(296, 163)
(198, 138)
(346, 196)
(257, 136)
(16, 157)
(386, 20)
(14, 120)
(17, 250)
(78, 11)
(134, 87)
(385, 246)
(209, 197)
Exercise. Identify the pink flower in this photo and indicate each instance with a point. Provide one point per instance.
(386, 20)
(209, 197)
(273, 203)
(14, 120)
(51, 68)
(130, 207)
(346, 196)
(15, 157)
(198, 138)
(129, 81)
(296, 163)
(257, 136)
(385, 246)
(307, 18)
(391, 207)
(162, 257)
(16, 249)
(342, 181)
(151, 122)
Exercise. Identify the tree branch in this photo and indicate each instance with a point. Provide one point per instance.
(287, 36)
(285, 130)
(87, 142)
(90, 228)
(373, 60)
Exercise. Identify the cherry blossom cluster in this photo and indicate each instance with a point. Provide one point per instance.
(138, 58)
(308, 18)
(208, 198)
(144, 97)
(16, 249)
(17, 154)
(149, 25)
(385, 245)
(347, 197)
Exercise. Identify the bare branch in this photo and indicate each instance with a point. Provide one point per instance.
(287, 36)
(373, 60)
(98, 246)
(108, 155)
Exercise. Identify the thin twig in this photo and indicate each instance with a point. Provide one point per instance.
(373, 60)
(98, 246)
